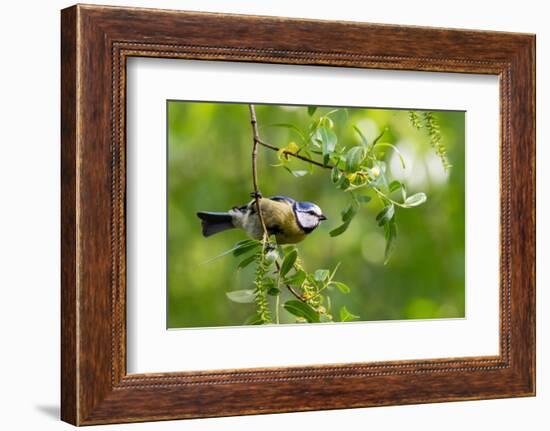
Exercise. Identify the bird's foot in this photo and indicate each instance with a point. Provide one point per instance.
(270, 247)
(256, 195)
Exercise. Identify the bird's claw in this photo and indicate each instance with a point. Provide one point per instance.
(270, 247)
(256, 195)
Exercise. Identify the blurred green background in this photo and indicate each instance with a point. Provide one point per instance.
(209, 169)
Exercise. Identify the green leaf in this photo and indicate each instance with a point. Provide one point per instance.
(385, 215)
(363, 198)
(354, 158)
(384, 130)
(343, 183)
(404, 192)
(394, 185)
(273, 291)
(288, 249)
(343, 114)
(342, 287)
(268, 282)
(328, 140)
(245, 242)
(233, 249)
(244, 296)
(311, 110)
(363, 138)
(346, 316)
(245, 262)
(297, 173)
(416, 199)
(336, 158)
(390, 233)
(349, 213)
(340, 229)
(399, 154)
(296, 279)
(327, 121)
(321, 275)
(301, 309)
(334, 111)
(289, 126)
(288, 262)
(333, 273)
(245, 247)
(335, 175)
(329, 305)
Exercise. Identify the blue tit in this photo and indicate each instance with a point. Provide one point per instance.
(289, 220)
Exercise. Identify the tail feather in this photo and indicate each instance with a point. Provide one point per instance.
(213, 222)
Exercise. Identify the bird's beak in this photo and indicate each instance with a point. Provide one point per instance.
(322, 217)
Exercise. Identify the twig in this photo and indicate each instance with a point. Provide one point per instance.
(289, 287)
(298, 156)
(256, 139)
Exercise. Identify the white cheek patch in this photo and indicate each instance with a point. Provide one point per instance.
(307, 221)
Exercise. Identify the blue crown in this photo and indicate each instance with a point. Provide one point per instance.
(305, 206)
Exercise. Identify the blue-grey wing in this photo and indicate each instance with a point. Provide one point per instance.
(250, 207)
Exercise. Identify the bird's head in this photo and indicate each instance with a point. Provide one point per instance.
(308, 215)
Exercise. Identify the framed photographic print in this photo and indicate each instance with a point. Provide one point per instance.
(266, 215)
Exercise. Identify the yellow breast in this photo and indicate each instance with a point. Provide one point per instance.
(279, 217)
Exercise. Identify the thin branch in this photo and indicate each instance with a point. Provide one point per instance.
(298, 156)
(288, 286)
(256, 139)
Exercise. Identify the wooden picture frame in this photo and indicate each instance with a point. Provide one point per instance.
(95, 43)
